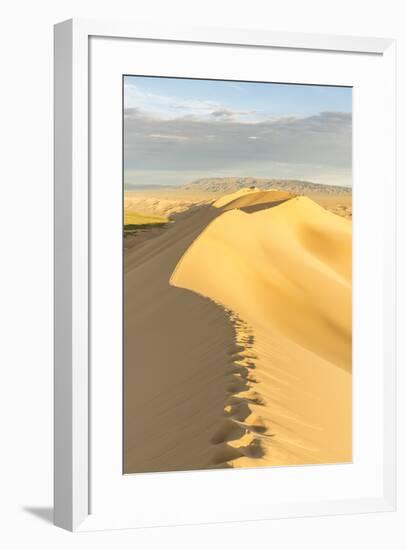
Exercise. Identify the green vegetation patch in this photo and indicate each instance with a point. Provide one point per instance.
(137, 220)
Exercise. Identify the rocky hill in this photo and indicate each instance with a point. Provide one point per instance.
(230, 185)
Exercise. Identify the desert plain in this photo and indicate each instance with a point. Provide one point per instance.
(237, 325)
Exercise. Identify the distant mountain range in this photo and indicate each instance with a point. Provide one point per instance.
(229, 185)
(138, 186)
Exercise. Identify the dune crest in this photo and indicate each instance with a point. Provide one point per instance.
(230, 197)
(286, 273)
(250, 197)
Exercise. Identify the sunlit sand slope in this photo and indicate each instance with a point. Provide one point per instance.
(285, 273)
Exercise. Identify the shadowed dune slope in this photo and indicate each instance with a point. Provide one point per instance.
(179, 356)
(286, 272)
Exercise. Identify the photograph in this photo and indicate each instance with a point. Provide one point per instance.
(237, 274)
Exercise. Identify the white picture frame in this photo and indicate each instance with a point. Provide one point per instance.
(73, 508)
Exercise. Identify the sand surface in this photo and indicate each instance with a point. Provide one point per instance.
(162, 202)
(238, 337)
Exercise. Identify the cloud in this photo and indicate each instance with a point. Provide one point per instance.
(221, 140)
(170, 108)
(169, 136)
(228, 114)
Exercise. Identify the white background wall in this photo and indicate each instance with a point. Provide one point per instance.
(26, 271)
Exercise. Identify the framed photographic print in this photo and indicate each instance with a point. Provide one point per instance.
(224, 275)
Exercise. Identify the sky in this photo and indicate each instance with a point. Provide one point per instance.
(177, 130)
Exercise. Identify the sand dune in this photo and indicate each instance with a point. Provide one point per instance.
(286, 271)
(163, 204)
(238, 337)
(244, 198)
(338, 204)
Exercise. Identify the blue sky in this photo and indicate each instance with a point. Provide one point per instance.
(266, 99)
(177, 130)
